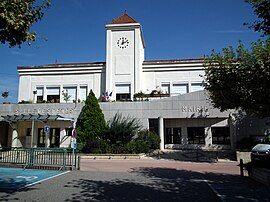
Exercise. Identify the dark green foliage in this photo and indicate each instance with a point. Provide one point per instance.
(137, 147)
(5, 94)
(120, 137)
(144, 142)
(91, 123)
(246, 144)
(17, 17)
(240, 79)
(121, 130)
(262, 9)
(152, 139)
(140, 96)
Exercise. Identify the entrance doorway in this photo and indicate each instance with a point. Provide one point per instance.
(54, 137)
(173, 136)
(4, 134)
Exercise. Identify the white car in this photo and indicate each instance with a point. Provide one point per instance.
(261, 152)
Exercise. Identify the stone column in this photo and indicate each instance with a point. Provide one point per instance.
(64, 139)
(14, 142)
(61, 94)
(161, 132)
(78, 93)
(208, 136)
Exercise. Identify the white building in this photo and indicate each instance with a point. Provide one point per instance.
(124, 73)
(179, 111)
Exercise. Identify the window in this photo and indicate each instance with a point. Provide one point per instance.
(53, 94)
(178, 89)
(173, 136)
(69, 131)
(221, 135)
(165, 88)
(54, 137)
(196, 135)
(196, 87)
(153, 125)
(28, 132)
(122, 92)
(40, 92)
(71, 92)
(83, 93)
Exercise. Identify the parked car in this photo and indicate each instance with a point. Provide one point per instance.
(261, 152)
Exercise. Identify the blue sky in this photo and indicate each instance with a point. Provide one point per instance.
(173, 29)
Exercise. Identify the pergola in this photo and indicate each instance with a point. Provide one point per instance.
(34, 117)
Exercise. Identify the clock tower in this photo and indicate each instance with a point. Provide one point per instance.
(124, 57)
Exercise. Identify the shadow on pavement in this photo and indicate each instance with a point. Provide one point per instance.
(194, 155)
(164, 184)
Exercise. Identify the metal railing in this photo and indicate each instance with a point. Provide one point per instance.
(40, 157)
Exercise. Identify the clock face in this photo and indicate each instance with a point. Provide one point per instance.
(122, 42)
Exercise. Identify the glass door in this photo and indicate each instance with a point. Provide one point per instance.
(54, 137)
(41, 138)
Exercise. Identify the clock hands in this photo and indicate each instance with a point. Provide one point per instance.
(124, 41)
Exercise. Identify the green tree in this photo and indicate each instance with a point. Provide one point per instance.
(240, 78)
(262, 9)
(91, 123)
(16, 19)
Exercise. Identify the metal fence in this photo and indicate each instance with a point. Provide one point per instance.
(59, 158)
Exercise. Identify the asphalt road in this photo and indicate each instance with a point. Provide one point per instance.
(145, 180)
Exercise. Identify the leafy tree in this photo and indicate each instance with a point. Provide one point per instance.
(240, 78)
(91, 123)
(5, 94)
(16, 19)
(262, 9)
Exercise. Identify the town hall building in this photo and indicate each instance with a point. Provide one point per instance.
(167, 96)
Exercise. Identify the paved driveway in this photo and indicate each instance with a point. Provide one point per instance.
(146, 180)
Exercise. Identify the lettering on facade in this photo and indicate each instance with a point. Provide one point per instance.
(194, 109)
(44, 111)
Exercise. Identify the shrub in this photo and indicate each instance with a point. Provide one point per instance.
(151, 138)
(121, 130)
(98, 146)
(137, 146)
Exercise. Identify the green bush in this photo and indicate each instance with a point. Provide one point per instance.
(98, 146)
(151, 138)
(121, 130)
(137, 146)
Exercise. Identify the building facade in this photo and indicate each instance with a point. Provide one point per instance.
(177, 107)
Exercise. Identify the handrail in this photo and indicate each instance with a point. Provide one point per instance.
(30, 157)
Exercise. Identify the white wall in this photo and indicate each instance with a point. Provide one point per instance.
(178, 74)
(124, 65)
(33, 78)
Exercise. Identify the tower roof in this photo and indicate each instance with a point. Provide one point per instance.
(123, 19)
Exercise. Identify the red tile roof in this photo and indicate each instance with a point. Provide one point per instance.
(123, 19)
